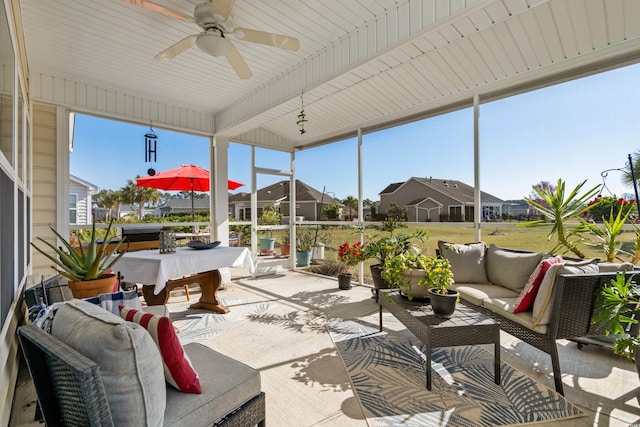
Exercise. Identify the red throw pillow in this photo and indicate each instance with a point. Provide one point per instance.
(528, 295)
(178, 370)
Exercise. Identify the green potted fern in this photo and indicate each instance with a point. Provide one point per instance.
(617, 310)
(88, 266)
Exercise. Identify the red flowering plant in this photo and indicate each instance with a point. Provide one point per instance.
(350, 255)
(602, 208)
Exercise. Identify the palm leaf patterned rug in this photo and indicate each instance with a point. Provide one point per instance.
(387, 372)
(198, 325)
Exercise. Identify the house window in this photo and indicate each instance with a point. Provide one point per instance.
(245, 214)
(73, 208)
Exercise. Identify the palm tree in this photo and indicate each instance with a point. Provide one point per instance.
(109, 199)
(558, 208)
(132, 194)
(351, 203)
(627, 178)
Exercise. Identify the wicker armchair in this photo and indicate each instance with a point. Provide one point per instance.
(70, 389)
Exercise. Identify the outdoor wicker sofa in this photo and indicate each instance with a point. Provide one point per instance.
(73, 389)
(491, 281)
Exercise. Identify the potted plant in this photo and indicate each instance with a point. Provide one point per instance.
(349, 255)
(321, 239)
(617, 310)
(304, 242)
(270, 216)
(285, 246)
(421, 276)
(386, 247)
(88, 267)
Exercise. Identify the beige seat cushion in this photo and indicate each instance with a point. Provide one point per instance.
(478, 293)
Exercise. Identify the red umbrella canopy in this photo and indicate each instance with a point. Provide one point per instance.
(184, 178)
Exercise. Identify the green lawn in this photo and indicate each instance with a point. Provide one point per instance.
(507, 235)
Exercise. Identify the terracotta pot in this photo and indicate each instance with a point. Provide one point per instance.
(93, 288)
(443, 304)
(414, 290)
(285, 249)
(344, 281)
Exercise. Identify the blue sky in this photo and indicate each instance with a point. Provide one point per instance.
(572, 131)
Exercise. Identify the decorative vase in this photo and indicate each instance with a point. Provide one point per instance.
(267, 244)
(443, 304)
(413, 289)
(93, 288)
(285, 249)
(344, 280)
(303, 259)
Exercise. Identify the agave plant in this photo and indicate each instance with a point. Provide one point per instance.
(82, 264)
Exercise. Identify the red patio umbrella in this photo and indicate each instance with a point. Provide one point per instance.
(185, 178)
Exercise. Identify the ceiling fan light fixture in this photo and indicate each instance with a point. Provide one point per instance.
(213, 44)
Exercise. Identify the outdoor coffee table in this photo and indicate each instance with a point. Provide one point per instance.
(465, 327)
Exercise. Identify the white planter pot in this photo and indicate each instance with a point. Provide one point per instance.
(414, 290)
(317, 252)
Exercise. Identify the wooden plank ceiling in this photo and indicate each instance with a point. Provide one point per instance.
(361, 63)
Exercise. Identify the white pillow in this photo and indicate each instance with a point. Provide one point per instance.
(543, 304)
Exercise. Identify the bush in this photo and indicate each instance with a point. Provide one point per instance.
(604, 205)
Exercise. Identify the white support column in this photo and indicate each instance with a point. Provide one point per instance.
(360, 213)
(219, 200)
(254, 206)
(476, 168)
(292, 211)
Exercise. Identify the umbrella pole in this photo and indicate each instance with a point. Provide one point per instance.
(193, 214)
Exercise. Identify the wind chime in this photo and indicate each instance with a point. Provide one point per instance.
(150, 145)
(301, 117)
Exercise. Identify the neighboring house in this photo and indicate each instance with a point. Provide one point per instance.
(183, 205)
(123, 211)
(521, 211)
(431, 199)
(309, 201)
(80, 192)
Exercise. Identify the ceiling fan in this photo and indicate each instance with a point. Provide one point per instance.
(216, 21)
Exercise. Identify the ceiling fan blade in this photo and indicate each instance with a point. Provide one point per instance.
(269, 39)
(155, 7)
(176, 49)
(222, 8)
(239, 66)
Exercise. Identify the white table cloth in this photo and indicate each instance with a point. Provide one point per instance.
(150, 267)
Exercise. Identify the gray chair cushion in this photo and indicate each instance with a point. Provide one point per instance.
(226, 385)
(510, 268)
(129, 360)
(466, 259)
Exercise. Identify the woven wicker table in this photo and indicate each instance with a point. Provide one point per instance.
(465, 327)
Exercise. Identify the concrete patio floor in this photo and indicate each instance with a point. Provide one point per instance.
(306, 383)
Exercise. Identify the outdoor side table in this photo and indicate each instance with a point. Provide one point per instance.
(465, 327)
